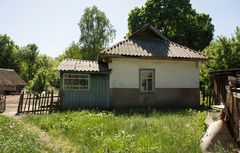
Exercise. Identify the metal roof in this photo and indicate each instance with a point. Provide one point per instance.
(81, 65)
(10, 77)
(149, 42)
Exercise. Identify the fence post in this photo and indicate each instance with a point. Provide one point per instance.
(51, 102)
(5, 101)
(20, 103)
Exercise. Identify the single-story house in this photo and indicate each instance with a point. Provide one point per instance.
(10, 81)
(144, 70)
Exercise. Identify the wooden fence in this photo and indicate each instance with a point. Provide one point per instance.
(232, 107)
(2, 103)
(207, 97)
(46, 102)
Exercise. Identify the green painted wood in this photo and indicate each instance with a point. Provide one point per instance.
(95, 97)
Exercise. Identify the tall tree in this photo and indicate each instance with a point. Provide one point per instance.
(28, 57)
(176, 19)
(8, 53)
(96, 32)
(73, 51)
(224, 53)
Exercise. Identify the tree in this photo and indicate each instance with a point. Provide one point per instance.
(96, 32)
(28, 56)
(224, 53)
(73, 51)
(8, 53)
(45, 76)
(177, 21)
(40, 82)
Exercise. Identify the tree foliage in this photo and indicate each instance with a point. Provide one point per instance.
(96, 32)
(27, 59)
(176, 19)
(224, 53)
(40, 82)
(73, 52)
(8, 53)
(45, 76)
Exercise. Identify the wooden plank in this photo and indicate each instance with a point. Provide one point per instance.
(20, 103)
(236, 95)
(234, 80)
(51, 102)
(29, 101)
(33, 102)
(26, 100)
(43, 103)
(39, 102)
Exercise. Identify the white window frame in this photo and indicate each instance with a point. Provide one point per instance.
(74, 76)
(141, 79)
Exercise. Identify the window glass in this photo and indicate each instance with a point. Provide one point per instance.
(76, 81)
(146, 80)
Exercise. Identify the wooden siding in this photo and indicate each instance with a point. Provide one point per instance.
(95, 97)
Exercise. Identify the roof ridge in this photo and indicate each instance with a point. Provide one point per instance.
(6, 69)
(80, 60)
(115, 45)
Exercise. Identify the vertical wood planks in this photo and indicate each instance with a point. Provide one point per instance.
(38, 103)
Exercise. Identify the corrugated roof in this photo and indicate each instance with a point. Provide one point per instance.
(10, 77)
(143, 43)
(81, 65)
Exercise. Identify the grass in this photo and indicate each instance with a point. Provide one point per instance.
(15, 139)
(139, 131)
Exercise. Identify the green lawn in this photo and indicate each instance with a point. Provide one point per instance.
(132, 131)
(14, 138)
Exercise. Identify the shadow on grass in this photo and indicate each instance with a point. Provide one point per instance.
(142, 111)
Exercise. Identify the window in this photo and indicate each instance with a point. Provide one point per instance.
(76, 81)
(146, 80)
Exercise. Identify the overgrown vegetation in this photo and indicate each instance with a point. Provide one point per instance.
(133, 131)
(15, 139)
(29, 63)
(224, 53)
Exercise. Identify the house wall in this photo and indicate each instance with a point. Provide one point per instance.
(96, 96)
(176, 83)
(168, 74)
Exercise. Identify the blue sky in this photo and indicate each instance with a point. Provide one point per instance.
(52, 24)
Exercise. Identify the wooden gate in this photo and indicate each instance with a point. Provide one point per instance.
(207, 97)
(46, 102)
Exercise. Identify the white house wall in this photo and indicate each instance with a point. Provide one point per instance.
(168, 73)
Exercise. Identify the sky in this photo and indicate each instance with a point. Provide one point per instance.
(53, 24)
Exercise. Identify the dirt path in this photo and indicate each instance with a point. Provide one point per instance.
(11, 105)
(56, 144)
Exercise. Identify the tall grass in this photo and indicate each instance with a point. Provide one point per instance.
(133, 131)
(15, 139)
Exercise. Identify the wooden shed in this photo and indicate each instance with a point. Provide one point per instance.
(11, 81)
(220, 84)
(84, 84)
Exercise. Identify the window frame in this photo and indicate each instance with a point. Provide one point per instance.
(79, 89)
(153, 80)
